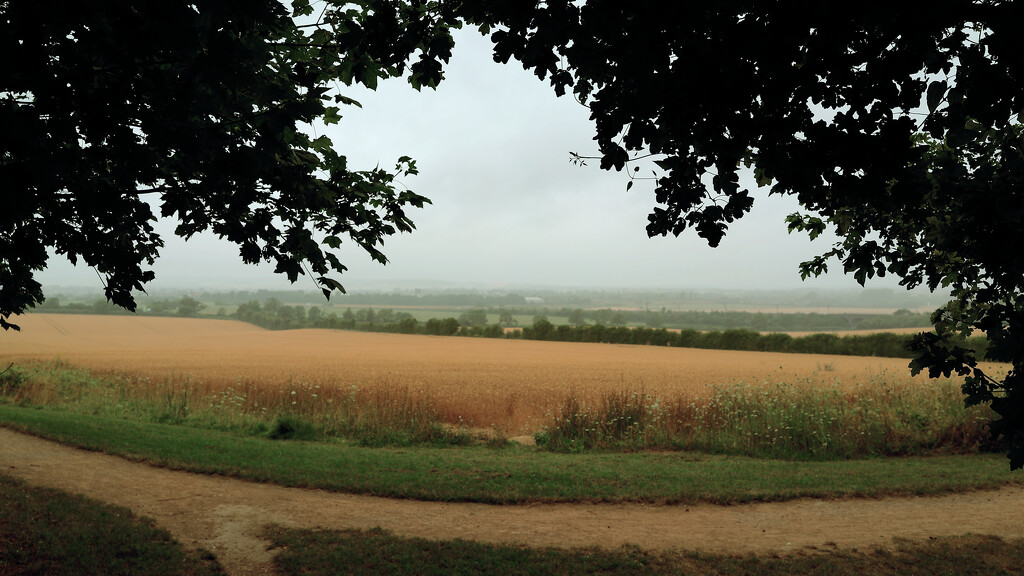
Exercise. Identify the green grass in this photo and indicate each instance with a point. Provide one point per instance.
(319, 553)
(45, 531)
(373, 418)
(512, 474)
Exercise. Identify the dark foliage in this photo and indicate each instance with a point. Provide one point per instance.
(895, 124)
(108, 106)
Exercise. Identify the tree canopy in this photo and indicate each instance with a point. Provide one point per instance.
(894, 124)
(203, 107)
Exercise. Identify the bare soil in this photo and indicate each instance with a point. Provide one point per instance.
(226, 516)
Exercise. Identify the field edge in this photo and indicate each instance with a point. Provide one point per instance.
(515, 475)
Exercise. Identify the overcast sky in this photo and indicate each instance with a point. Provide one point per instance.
(492, 145)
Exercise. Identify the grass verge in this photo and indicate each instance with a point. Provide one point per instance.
(46, 531)
(509, 475)
(884, 417)
(315, 553)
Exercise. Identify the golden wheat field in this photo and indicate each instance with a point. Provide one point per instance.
(512, 384)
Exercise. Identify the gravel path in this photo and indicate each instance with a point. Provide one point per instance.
(225, 515)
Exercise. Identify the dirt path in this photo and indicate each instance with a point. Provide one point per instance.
(224, 515)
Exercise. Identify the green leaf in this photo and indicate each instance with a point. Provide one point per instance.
(322, 144)
(936, 90)
(331, 284)
(7, 325)
(301, 8)
(369, 77)
(340, 99)
(331, 115)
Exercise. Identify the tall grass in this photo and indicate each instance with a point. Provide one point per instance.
(296, 410)
(884, 417)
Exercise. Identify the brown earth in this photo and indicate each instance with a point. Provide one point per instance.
(226, 516)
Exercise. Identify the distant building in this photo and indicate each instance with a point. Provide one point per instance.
(534, 300)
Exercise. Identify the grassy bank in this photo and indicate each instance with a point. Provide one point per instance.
(45, 531)
(888, 416)
(314, 553)
(508, 475)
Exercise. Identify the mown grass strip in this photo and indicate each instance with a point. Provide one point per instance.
(46, 531)
(509, 475)
(314, 553)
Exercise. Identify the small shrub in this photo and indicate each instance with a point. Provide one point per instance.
(291, 427)
(779, 420)
(12, 380)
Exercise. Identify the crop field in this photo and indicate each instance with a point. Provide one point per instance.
(510, 386)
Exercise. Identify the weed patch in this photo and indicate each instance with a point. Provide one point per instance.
(885, 417)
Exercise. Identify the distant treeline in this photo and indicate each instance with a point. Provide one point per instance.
(274, 315)
(696, 320)
(636, 300)
(885, 344)
(724, 320)
(186, 307)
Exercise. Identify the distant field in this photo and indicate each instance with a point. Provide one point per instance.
(861, 332)
(437, 311)
(423, 314)
(813, 309)
(799, 333)
(513, 384)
